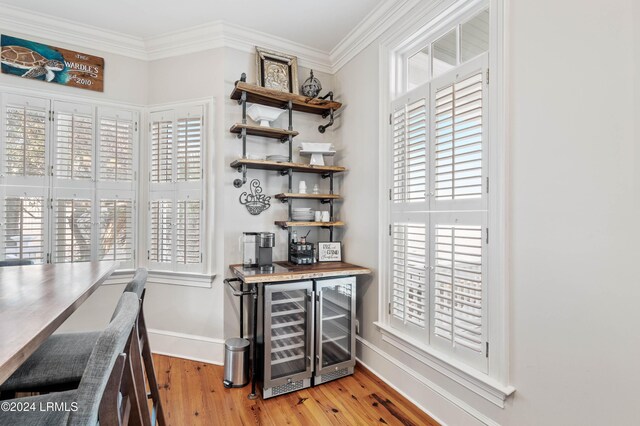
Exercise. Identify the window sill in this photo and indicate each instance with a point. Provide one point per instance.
(483, 385)
(184, 279)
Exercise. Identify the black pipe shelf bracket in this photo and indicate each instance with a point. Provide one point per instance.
(239, 182)
(243, 135)
(323, 128)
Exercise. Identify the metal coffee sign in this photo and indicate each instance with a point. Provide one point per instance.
(28, 59)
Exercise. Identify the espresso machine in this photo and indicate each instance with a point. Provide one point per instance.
(257, 250)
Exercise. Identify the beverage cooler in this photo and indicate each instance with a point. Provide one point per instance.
(285, 337)
(306, 333)
(335, 328)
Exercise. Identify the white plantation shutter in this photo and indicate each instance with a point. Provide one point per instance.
(23, 223)
(162, 148)
(437, 284)
(116, 133)
(189, 149)
(458, 286)
(116, 231)
(67, 181)
(188, 235)
(409, 299)
(410, 148)
(161, 232)
(115, 198)
(74, 143)
(175, 231)
(74, 235)
(459, 138)
(176, 182)
(23, 142)
(73, 229)
(409, 288)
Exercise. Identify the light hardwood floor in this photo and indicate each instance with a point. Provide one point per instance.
(192, 394)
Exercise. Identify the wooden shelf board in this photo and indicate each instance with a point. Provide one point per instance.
(267, 132)
(286, 195)
(275, 98)
(297, 167)
(286, 224)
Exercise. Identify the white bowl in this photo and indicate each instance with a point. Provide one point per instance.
(263, 114)
(278, 158)
(315, 146)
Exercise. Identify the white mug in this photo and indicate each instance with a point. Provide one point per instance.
(302, 187)
(325, 217)
(318, 216)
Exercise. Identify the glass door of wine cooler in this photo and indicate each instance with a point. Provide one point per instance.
(288, 333)
(335, 341)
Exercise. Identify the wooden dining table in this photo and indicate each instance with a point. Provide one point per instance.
(36, 299)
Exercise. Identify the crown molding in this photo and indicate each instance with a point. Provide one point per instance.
(224, 34)
(194, 39)
(213, 35)
(379, 20)
(38, 25)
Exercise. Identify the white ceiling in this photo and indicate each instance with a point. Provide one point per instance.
(319, 24)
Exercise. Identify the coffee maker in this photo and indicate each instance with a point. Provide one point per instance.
(257, 250)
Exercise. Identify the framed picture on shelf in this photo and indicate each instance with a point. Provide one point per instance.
(330, 251)
(277, 71)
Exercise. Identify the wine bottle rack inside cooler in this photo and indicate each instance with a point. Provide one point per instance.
(335, 328)
(287, 317)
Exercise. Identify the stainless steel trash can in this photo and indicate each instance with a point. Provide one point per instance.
(236, 362)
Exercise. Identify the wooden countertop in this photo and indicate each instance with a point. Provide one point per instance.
(285, 271)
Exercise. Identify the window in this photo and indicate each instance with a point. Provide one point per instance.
(176, 201)
(437, 251)
(458, 45)
(57, 205)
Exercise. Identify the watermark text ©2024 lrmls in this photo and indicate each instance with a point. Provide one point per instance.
(38, 406)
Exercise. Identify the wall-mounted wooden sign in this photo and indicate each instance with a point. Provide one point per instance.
(29, 59)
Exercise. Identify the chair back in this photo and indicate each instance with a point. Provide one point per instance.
(15, 262)
(137, 284)
(110, 345)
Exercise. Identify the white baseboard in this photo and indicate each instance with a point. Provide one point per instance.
(445, 407)
(187, 346)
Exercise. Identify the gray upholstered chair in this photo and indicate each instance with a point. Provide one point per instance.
(100, 385)
(69, 353)
(15, 262)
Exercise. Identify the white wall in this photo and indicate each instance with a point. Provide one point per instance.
(574, 202)
(189, 321)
